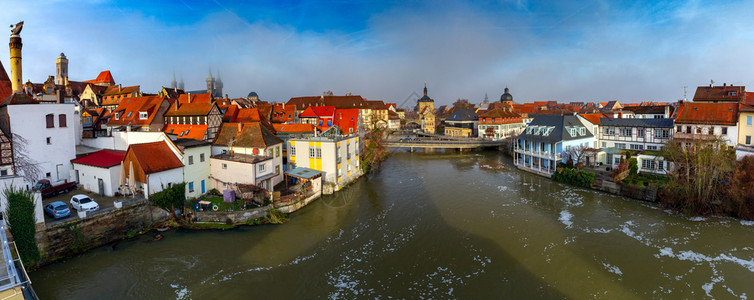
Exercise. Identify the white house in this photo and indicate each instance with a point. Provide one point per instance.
(152, 166)
(251, 139)
(196, 166)
(48, 129)
(230, 171)
(704, 121)
(99, 172)
(645, 135)
(550, 139)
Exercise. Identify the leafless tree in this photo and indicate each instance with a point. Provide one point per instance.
(23, 164)
(576, 154)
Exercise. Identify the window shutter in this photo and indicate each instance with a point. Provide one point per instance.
(62, 120)
(50, 121)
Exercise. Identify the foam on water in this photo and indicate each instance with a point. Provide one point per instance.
(565, 218)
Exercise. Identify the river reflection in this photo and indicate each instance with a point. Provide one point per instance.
(439, 225)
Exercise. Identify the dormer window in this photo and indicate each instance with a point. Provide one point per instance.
(582, 131)
(117, 116)
(573, 131)
(142, 115)
(733, 93)
(129, 114)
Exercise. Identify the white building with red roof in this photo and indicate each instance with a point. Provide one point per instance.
(99, 172)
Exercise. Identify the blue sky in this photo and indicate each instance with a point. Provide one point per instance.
(542, 50)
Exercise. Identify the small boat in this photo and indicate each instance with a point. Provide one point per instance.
(162, 229)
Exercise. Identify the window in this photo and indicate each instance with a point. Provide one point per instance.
(293, 151)
(582, 131)
(225, 166)
(277, 151)
(666, 133)
(4, 173)
(277, 170)
(640, 133)
(725, 130)
(142, 115)
(637, 147)
(688, 129)
(748, 140)
(201, 157)
(48, 174)
(658, 133)
(261, 168)
(117, 116)
(311, 152)
(191, 159)
(620, 145)
(49, 140)
(319, 152)
(651, 147)
(62, 121)
(573, 131)
(604, 144)
(748, 120)
(191, 187)
(626, 132)
(50, 121)
(660, 165)
(129, 114)
(678, 128)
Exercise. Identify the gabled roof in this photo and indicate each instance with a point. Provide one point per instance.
(647, 123)
(229, 113)
(499, 113)
(294, 128)
(253, 115)
(318, 112)
(464, 114)
(5, 85)
(155, 157)
(185, 131)
(173, 93)
(103, 77)
(376, 104)
(707, 113)
(649, 109)
(559, 125)
(247, 135)
(102, 158)
(594, 118)
(128, 110)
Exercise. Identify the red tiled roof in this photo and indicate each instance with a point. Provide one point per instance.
(728, 93)
(707, 113)
(103, 77)
(102, 158)
(248, 135)
(594, 118)
(282, 113)
(251, 115)
(155, 157)
(5, 85)
(118, 90)
(347, 119)
(190, 109)
(195, 98)
(185, 131)
(230, 113)
(128, 110)
(18, 99)
(340, 102)
(318, 112)
(294, 128)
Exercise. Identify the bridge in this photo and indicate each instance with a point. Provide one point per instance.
(434, 141)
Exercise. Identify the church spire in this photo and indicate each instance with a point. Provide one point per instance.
(425, 88)
(173, 84)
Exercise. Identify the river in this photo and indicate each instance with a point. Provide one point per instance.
(432, 225)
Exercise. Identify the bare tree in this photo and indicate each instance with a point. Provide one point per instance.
(576, 154)
(23, 164)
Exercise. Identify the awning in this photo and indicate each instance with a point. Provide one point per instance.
(303, 173)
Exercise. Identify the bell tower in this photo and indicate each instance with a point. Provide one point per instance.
(210, 83)
(15, 58)
(62, 69)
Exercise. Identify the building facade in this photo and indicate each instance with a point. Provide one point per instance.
(550, 139)
(336, 156)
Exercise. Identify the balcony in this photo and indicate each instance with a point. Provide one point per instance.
(543, 154)
(694, 136)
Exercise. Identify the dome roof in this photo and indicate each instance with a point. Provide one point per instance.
(252, 94)
(506, 97)
(426, 99)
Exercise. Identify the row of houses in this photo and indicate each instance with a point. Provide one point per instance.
(602, 138)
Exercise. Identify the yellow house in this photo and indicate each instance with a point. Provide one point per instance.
(746, 125)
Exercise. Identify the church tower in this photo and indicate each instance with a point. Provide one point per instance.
(427, 112)
(210, 83)
(61, 69)
(218, 86)
(173, 84)
(180, 83)
(15, 58)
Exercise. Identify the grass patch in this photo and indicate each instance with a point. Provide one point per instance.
(212, 226)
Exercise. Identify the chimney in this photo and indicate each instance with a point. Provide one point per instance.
(119, 87)
(239, 126)
(189, 98)
(724, 84)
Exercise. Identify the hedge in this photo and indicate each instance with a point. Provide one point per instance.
(574, 177)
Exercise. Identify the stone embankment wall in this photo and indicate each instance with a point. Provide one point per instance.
(232, 217)
(79, 235)
(296, 205)
(635, 192)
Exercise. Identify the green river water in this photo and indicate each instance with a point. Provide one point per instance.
(433, 225)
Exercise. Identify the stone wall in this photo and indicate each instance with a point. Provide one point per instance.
(235, 217)
(79, 235)
(296, 205)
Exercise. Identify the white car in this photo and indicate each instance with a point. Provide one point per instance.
(83, 203)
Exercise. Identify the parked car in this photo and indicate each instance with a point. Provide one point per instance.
(57, 210)
(49, 189)
(83, 203)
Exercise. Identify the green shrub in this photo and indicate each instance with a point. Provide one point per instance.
(170, 198)
(574, 177)
(20, 217)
